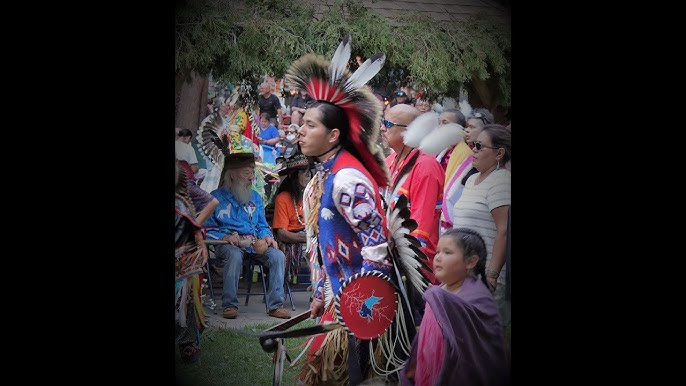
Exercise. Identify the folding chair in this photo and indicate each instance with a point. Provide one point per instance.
(250, 261)
(294, 255)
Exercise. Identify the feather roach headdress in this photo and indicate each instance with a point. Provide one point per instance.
(332, 82)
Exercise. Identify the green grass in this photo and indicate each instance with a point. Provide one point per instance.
(231, 358)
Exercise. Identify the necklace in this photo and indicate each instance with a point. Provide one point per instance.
(397, 162)
(298, 215)
(331, 156)
(397, 166)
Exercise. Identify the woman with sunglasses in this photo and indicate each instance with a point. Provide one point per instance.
(460, 167)
(484, 205)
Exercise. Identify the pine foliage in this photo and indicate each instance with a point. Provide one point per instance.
(247, 39)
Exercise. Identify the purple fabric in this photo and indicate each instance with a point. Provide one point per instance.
(199, 197)
(473, 336)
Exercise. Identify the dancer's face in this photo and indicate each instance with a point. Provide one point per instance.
(313, 137)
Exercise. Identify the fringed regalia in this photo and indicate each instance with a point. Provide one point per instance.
(347, 229)
(189, 315)
(351, 238)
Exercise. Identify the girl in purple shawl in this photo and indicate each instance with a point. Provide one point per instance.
(460, 340)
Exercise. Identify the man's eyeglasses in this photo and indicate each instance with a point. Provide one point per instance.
(478, 146)
(247, 173)
(389, 124)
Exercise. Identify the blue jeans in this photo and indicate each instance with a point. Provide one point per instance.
(233, 264)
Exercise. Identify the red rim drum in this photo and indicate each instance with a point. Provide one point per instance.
(366, 304)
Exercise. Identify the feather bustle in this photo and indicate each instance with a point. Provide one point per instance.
(412, 263)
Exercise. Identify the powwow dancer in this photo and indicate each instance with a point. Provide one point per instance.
(192, 206)
(346, 222)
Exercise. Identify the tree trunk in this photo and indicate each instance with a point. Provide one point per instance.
(480, 90)
(191, 102)
(481, 94)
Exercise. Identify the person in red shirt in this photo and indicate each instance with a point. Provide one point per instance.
(416, 175)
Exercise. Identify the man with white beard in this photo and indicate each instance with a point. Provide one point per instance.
(240, 219)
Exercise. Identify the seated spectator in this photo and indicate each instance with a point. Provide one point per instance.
(268, 138)
(240, 219)
(289, 220)
(298, 106)
(289, 144)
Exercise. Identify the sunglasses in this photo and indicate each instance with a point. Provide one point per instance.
(400, 93)
(478, 146)
(389, 124)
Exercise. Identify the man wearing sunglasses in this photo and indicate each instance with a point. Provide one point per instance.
(414, 174)
(400, 97)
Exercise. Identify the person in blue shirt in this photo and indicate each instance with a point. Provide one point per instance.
(268, 138)
(240, 219)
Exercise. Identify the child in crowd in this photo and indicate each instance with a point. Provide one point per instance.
(460, 340)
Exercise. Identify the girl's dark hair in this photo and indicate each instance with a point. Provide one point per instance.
(185, 133)
(292, 186)
(333, 117)
(471, 243)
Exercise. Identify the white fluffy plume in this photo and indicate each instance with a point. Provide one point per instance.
(443, 137)
(420, 128)
(466, 109)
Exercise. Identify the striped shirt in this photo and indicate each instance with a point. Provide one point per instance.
(473, 209)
